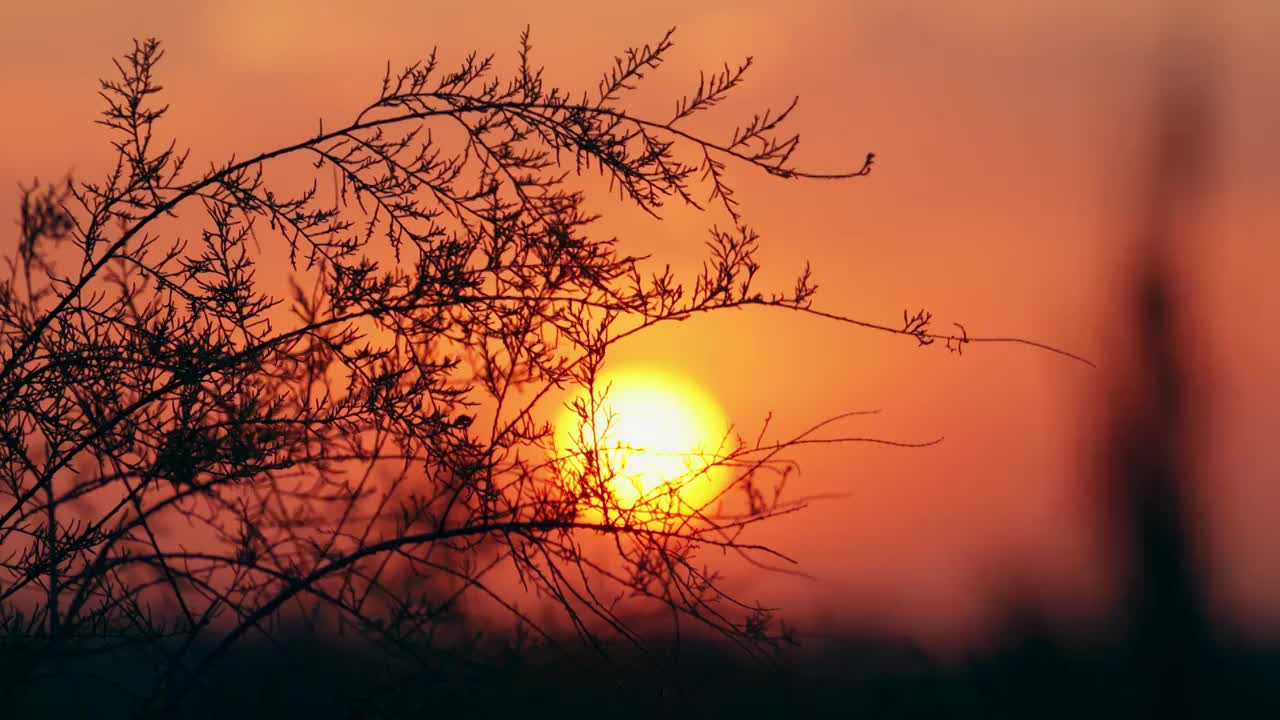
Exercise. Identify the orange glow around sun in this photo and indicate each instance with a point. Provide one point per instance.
(658, 441)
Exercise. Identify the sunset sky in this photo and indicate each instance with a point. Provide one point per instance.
(1009, 138)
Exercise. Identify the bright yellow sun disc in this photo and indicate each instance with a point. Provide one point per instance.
(657, 440)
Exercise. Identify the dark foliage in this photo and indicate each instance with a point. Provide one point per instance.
(232, 409)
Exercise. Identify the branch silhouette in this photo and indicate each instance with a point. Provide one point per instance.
(200, 440)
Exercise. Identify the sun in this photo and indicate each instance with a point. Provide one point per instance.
(659, 442)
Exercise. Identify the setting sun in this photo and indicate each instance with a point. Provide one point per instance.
(659, 438)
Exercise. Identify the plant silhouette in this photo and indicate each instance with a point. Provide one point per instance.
(230, 407)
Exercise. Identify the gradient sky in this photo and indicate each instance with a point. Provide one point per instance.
(1009, 135)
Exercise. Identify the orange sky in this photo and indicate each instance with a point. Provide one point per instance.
(1008, 134)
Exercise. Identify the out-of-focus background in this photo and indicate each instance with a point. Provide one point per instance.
(1010, 139)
